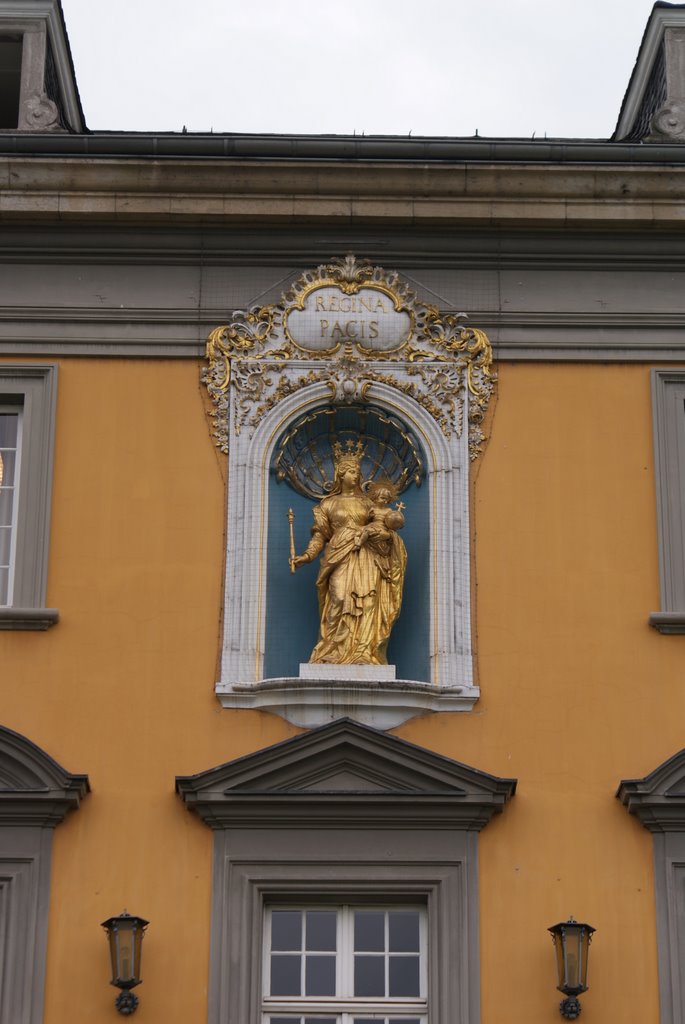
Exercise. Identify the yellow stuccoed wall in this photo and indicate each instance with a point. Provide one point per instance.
(577, 691)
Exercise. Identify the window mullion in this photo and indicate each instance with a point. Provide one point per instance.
(303, 955)
(346, 989)
(386, 952)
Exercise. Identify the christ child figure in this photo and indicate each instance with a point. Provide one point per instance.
(383, 518)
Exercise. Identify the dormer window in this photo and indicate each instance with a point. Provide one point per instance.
(10, 80)
(37, 86)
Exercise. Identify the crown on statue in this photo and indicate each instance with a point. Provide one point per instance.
(350, 451)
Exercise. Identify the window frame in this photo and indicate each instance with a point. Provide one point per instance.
(36, 793)
(446, 886)
(658, 802)
(345, 814)
(33, 388)
(345, 1002)
(668, 406)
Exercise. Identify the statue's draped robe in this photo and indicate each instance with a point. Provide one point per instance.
(359, 588)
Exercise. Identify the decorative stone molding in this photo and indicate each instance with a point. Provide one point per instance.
(40, 114)
(668, 398)
(440, 355)
(345, 775)
(345, 813)
(348, 333)
(33, 388)
(658, 800)
(34, 789)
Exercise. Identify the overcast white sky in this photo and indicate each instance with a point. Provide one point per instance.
(429, 67)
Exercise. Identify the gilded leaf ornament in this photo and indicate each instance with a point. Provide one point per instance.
(350, 325)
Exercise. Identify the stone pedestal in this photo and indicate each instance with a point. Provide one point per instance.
(350, 673)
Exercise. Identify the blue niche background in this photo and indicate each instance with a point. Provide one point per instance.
(292, 614)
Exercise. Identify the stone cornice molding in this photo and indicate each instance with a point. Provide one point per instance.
(219, 192)
(345, 775)
(34, 788)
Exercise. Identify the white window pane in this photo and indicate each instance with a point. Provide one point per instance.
(369, 931)
(321, 926)
(320, 976)
(369, 976)
(8, 463)
(8, 429)
(286, 975)
(387, 1020)
(5, 546)
(6, 505)
(404, 977)
(403, 931)
(306, 1020)
(286, 930)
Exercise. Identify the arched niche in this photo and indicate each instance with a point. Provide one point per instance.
(268, 368)
(446, 577)
(291, 614)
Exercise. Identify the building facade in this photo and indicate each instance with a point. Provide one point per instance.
(350, 842)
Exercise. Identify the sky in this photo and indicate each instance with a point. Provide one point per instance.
(501, 68)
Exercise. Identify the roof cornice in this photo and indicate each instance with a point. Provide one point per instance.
(432, 149)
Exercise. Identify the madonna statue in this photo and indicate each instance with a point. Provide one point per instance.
(363, 565)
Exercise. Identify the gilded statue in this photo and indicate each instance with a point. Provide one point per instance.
(363, 565)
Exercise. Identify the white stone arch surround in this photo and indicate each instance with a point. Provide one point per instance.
(312, 702)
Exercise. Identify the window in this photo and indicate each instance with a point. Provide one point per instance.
(345, 880)
(658, 801)
(10, 80)
(349, 964)
(668, 397)
(27, 411)
(9, 477)
(35, 795)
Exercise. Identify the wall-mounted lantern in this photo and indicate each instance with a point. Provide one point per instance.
(125, 935)
(571, 945)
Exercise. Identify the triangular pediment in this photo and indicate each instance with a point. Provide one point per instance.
(658, 799)
(348, 767)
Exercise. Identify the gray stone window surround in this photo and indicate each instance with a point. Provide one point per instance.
(658, 801)
(668, 401)
(31, 387)
(345, 813)
(35, 795)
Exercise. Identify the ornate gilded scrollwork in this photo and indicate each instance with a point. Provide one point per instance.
(364, 325)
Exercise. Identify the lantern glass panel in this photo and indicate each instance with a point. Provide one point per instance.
(584, 944)
(559, 953)
(573, 947)
(126, 943)
(113, 955)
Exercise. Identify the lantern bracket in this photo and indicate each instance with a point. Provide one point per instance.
(570, 1008)
(126, 1002)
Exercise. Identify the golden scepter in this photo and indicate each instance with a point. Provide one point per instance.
(291, 560)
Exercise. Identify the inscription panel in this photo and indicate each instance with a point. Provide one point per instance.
(330, 318)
